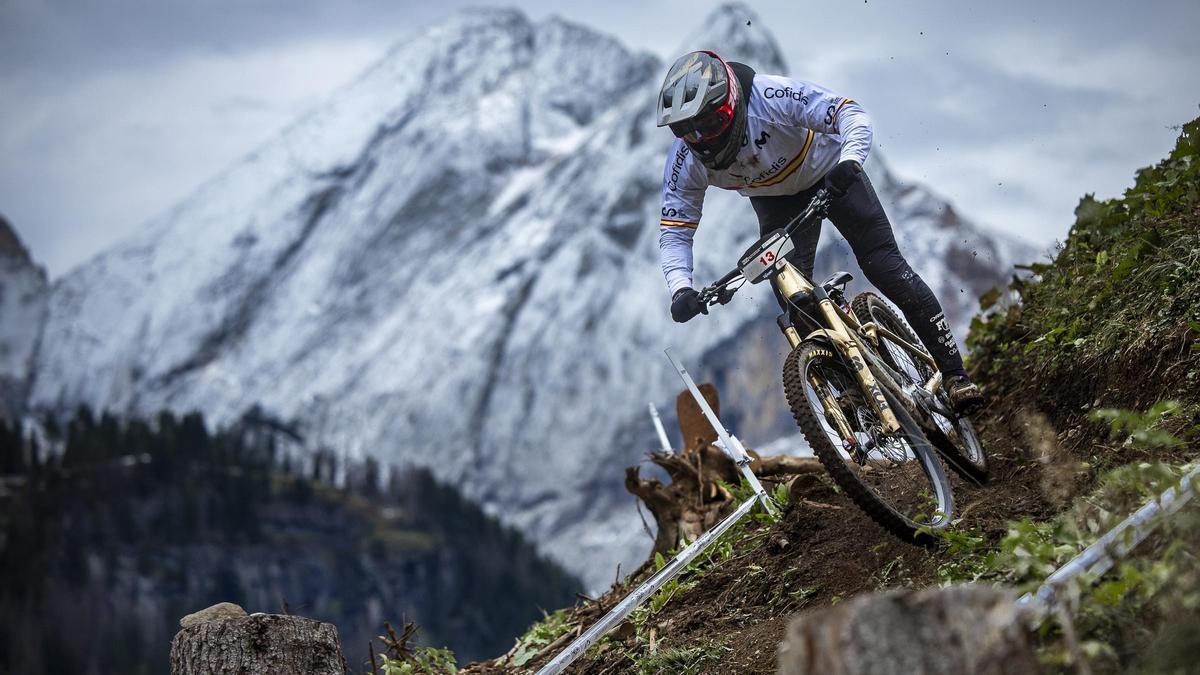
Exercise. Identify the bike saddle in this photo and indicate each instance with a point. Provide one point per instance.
(838, 279)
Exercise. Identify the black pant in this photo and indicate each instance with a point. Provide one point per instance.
(860, 218)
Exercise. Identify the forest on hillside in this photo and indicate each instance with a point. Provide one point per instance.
(112, 530)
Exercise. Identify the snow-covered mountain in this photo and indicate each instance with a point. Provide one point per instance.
(453, 263)
(24, 293)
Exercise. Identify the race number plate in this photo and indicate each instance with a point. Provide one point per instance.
(765, 256)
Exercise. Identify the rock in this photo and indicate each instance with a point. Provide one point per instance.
(939, 631)
(221, 610)
(24, 298)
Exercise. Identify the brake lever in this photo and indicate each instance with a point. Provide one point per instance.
(821, 200)
(724, 295)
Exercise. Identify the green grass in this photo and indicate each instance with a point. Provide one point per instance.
(540, 634)
(1112, 320)
(421, 661)
(1141, 429)
(683, 660)
(633, 637)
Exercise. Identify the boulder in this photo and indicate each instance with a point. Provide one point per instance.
(937, 631)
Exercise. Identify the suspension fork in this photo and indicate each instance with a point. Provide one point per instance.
(791, 283)
(834, 412)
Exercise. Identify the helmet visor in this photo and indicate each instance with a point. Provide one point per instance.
(705, 126)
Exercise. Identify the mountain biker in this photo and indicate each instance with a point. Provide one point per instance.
(777, 141)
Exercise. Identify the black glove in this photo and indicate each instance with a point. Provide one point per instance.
(686, 304)
(842, 177)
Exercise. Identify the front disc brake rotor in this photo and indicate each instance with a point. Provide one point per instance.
(889, 447)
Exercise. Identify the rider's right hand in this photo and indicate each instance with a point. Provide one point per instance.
(686, 304)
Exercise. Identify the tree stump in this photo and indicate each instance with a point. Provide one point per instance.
(938, 631)
(259, 644)
(694, 501)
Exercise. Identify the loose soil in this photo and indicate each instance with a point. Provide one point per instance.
(826, 549)
(823, 551)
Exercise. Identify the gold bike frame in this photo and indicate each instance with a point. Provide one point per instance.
(873, 333)
(843, 329)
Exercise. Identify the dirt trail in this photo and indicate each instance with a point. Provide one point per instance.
(824, 550)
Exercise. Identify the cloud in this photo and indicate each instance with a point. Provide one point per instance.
(96, 160)
(74, 38)
(1030, 184)
(1130, 70)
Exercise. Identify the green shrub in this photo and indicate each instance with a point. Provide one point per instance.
(1124, 286)
(421, 661)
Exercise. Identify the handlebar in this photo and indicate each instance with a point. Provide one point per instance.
(720, 291)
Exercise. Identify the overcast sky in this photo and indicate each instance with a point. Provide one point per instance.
(113, 111)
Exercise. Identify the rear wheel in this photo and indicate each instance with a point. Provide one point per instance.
(954, 436)
(895, 478)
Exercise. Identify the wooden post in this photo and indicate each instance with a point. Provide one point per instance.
(259, 644)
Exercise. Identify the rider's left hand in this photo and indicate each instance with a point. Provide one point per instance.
(842, 177)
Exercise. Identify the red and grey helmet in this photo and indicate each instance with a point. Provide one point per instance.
(703, 104)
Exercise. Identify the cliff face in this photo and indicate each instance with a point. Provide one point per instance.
(453, 263)
(24, 293)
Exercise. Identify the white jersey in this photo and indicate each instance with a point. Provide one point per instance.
(796, 132)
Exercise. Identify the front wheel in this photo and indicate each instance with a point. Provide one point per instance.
(895, 478)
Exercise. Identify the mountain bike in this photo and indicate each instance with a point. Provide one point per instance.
(864, 391)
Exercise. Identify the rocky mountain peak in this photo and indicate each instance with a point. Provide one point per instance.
(735, 31)
(24, 294)
(10, 243)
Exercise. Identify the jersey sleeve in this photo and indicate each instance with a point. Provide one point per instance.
(812, 106)
(684, 183)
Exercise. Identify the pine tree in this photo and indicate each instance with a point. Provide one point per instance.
(35, 455)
